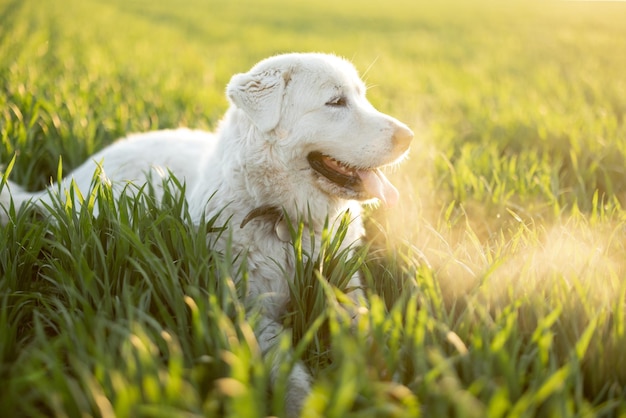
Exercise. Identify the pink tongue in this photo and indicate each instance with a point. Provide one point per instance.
(377, 185)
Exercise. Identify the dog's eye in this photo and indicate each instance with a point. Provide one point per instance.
(340, 101)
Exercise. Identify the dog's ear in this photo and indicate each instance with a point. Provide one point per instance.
(259, 95)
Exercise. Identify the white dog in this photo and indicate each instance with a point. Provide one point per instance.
(299, 137)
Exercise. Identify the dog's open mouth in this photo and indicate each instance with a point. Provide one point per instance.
(361, 184)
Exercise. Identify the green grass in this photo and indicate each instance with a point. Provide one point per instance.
(496, 288)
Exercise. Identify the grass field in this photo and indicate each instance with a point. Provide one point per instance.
(496, 288)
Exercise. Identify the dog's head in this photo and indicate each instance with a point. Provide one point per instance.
(311, 113)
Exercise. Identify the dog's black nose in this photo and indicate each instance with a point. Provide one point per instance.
(402, 137)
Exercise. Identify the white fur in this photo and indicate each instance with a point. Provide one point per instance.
(279, 113)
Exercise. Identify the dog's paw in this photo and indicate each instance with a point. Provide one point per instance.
(298, 388)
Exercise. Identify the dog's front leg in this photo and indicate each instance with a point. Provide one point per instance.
(298, 384)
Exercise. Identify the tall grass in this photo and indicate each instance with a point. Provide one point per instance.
(496, 288)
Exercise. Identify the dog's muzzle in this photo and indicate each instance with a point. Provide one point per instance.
(366, 183)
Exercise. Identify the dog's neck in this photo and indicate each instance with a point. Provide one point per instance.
(264, 199)
(271, 213)
(274, 216)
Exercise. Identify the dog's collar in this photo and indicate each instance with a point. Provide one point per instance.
(273, 215)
